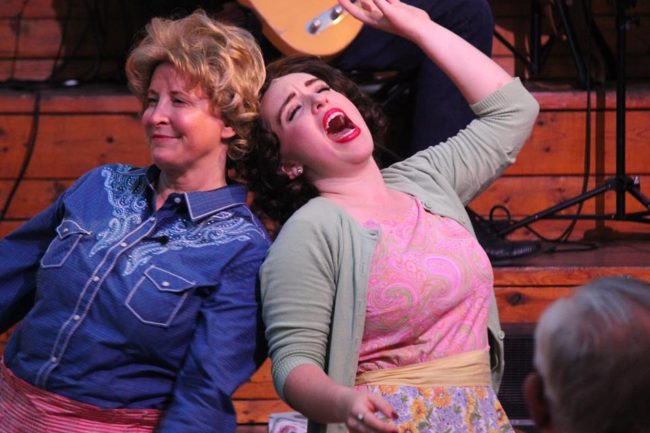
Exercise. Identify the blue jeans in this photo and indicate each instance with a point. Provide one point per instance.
(440, 110)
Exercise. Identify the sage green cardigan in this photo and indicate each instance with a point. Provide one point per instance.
(315, 277)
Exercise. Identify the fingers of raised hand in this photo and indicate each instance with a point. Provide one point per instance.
(363, 10)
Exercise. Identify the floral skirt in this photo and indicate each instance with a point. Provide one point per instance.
(449, 409)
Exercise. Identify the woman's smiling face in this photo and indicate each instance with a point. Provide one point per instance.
(184, 133)
(318, 128)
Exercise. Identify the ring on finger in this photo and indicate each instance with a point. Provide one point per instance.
(360, 417)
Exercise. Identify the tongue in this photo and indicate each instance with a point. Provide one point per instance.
(336, 125)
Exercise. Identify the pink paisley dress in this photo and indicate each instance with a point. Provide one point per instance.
(428, 298)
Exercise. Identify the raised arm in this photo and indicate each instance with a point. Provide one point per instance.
(475, 74)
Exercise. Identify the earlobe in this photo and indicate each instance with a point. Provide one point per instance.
(227, 132)
(538, 405)
(292, 170)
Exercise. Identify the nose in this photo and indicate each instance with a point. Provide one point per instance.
(158, 113)
(319, 100)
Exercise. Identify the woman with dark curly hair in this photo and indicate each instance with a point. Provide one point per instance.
(377, 299)
(136, 290)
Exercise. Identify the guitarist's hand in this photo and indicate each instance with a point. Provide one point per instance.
(389, 15)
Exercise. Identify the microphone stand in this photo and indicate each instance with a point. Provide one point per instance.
(620, 183)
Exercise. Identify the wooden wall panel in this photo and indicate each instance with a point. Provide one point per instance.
(42, 8)
(557, 144)
(523, 195)
(14, 135)
(526, 304)
(32, 196)
(8, 226)
(79, 143)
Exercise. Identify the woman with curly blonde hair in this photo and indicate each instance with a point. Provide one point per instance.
(140, 311)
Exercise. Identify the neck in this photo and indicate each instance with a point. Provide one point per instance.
(353, 188)
(170, 182)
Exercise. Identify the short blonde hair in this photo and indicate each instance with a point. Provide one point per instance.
(223, 60)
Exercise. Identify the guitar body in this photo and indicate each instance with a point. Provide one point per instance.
(315, 27)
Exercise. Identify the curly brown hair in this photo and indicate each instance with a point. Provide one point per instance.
(223, 60)
(275, 195)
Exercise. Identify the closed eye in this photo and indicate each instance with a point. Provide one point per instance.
(293, 112)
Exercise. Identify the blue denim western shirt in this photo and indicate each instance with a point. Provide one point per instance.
(123, 306)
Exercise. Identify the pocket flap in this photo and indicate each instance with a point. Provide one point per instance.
(69, 227)
(166, 281)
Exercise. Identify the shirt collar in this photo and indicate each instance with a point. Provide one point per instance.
(200, 204)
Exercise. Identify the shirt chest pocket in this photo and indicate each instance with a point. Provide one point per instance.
(158, 296)
(68, 236)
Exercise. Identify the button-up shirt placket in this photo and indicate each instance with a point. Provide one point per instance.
(88, 294)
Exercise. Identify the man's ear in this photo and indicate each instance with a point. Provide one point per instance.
(291, 169)
(538, 405)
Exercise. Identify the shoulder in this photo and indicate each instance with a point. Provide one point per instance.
(314, 229)
(112, 172)
(319, 215)
(106, 175)
(238, 222)
(119, 169)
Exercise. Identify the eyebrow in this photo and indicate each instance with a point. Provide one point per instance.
(293, 95)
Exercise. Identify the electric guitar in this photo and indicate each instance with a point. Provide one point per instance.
(315, 27)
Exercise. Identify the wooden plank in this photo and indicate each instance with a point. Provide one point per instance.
(562, 96)
(526, 304)
(14, 135)
(252, 428)
(38, 70)
(42, 38)
(95, 99)
(42, 8)
(583, 229)
(7, 227)
(256, 390)
(31, 196)
(260, 385)
(556, 144)
(83, 99)
(263, 374)
(523, 195)
(536, 277)
(93, 140)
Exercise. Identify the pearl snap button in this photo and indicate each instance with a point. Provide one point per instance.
(165, 283)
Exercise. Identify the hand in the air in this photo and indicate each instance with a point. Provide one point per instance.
(389, 15)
